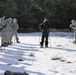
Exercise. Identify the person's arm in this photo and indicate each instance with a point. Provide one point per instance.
(74, 28)
(16, 26)
(71, 26)
(48, 25)
(41, 26)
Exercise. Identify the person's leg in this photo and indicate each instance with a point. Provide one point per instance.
(7, 34)
(3, 40)
(10, 36)
(46, 41)
(75, 36)
(17, 39)
(42, 41)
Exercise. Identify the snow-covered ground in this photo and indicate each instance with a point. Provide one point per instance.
(58, 59)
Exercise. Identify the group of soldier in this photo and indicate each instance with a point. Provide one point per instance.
(45, 25)
(8, 28)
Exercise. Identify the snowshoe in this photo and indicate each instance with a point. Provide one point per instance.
(41, 45)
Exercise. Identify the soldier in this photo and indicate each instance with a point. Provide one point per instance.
(9, 30)
(3, 32)
(45, 32)
(15, 28)
(73, 26)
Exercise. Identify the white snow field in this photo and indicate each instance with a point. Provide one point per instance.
(27, 56)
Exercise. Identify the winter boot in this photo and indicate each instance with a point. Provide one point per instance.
(46, 44)
(41, 44)
(4, 45)
(74, 42)
(18, 41)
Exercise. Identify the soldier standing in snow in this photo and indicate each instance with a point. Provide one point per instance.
(15, 28)
(9, 30)
(73, 26)
(44, 26)
(3, 33)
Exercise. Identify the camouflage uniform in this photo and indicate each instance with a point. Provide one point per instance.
(9, 30)
(4, 33)
(1, 26)
(15, 28)
(73, 26)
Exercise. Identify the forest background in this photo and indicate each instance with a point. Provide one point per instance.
(30, 13)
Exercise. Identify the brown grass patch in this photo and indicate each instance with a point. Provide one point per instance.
(9, 64)
(56, 58)
(68, 62)
(31, 55)
(62, 60)
(20, 59)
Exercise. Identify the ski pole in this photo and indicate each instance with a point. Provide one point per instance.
(50, 41)
(71, 37)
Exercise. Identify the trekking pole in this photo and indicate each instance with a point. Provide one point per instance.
(71, 37)
(39, 38)
(50, 41)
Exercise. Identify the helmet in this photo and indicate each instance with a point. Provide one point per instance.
(73, 21)
(14, 19)
(10, 19)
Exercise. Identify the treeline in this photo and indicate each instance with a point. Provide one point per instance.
(30, 13)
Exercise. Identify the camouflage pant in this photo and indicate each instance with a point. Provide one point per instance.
(14, 33)
(4, 36)
(75, 35)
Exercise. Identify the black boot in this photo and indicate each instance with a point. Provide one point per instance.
(41, 44)
(74, 42)
(46, 44)
(18, 41)
(4, 45)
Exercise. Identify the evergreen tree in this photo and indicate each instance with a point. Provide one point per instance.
(8, 8)
(30, 13)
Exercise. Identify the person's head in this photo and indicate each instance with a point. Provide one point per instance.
(73, 21)
(14, 20)
(45, 19)
(10, 20)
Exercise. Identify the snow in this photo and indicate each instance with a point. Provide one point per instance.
(58, 59)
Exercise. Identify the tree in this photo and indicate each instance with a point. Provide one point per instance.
(30, 13)
(8, 8)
